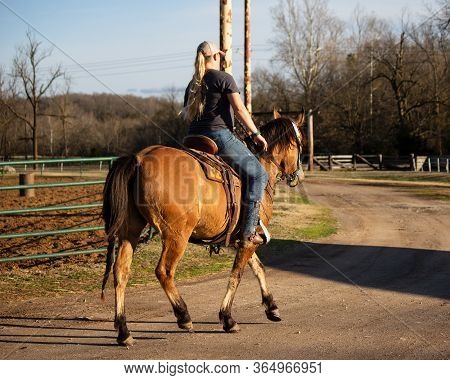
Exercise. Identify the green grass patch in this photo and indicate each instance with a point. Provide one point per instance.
(402, 176)
(437, 194)
(297, 218)
(324, 225)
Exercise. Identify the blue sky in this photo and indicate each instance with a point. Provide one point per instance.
(147, 46)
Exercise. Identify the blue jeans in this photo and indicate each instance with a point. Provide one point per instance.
(233, 151)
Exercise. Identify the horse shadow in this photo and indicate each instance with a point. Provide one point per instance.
(43, 330)
(406, 270)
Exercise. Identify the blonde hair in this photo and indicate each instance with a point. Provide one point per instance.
(196, 99)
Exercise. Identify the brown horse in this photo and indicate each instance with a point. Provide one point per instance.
(166, 188)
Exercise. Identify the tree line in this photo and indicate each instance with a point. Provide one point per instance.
(373, 87)
(39, 115)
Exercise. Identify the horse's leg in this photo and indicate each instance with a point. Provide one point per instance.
(272, 311)
(127, 245)
(172, 251)
(242, 257)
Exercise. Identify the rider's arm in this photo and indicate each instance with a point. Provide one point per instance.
(242, 114)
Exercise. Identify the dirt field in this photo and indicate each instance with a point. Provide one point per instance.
(378, 289)
(43, 221)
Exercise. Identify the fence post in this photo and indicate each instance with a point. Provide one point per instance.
(429, 164)
(26, 179)
(438, 163)
(354, 161)
(330, 162)
(412, 163)
(380, 161)
(447, 166)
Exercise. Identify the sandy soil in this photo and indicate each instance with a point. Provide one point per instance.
(378, 289)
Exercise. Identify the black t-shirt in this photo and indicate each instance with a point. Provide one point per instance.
(218, 112)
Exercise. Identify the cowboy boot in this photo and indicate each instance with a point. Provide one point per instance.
(249, 221)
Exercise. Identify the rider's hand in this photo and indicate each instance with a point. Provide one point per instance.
(261, 141)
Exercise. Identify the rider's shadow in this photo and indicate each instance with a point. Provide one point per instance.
(406, 270)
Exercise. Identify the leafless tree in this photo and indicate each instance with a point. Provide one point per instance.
(7, 118)
(431, 37)
(306, 41)
(350, 97)
(32, 83)
(63, 112)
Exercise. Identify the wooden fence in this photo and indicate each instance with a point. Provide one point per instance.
(380, 162)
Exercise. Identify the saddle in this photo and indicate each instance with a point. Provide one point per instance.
(204, 150)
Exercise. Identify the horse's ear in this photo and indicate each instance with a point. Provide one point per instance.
(300, 119)
(276, 114)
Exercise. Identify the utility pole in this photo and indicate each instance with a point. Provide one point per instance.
(226, 34)
(247, 59)
(371, 89)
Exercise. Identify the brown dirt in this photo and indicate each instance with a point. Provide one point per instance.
(44, 221)
(378, 289)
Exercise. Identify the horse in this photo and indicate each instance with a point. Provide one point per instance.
(165, 188)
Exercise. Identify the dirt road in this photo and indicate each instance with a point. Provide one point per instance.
(379, 288)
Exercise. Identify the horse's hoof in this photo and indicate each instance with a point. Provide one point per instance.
(186, 326)
(232, 329)
(128, 342)
(273, 315)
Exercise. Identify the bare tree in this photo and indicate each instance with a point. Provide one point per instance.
(442, 19)
(32, 83)
(432, 39)
(273, 90)
(64, 112)
(351, 96)
(306, 41)
(4, 113)
(7, 118)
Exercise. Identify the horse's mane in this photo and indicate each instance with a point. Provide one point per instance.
(279, 133)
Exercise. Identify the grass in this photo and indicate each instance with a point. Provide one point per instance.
(324, 225)
(294, 218)
(428, 185)
(437, 194)
(401, 176)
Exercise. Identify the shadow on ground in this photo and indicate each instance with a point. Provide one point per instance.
(408, 270)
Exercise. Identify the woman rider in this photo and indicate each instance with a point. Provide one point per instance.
(211, 100)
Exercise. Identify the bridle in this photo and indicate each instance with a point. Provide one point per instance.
(293, 178)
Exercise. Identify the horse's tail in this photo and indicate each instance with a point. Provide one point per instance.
(115, 204)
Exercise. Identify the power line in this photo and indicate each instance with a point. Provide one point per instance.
(136, 72)
(370, 63)
(87, 71)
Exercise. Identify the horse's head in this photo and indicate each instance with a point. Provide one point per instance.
(285, 146)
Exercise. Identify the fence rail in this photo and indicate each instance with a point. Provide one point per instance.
(55, 162)
(49, 208)
(380, 162)
(51, 185)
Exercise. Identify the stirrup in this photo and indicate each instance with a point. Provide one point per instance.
(262, 230)
(254, 239)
